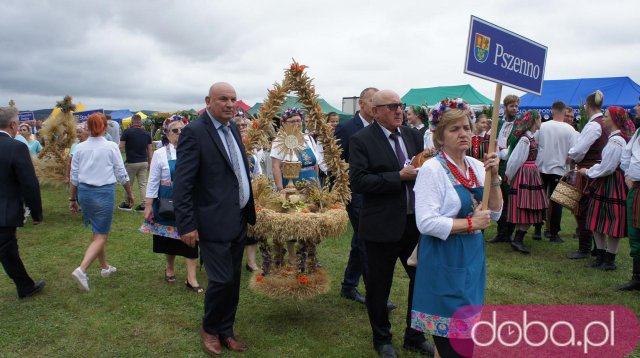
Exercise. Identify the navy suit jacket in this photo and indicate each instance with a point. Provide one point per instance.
(344, 131)
(374, 172)
(205, 193)
(18, 182)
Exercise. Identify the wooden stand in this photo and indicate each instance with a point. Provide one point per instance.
(492, 145)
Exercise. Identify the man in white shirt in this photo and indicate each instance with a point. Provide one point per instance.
(505, 129)
(554, 138)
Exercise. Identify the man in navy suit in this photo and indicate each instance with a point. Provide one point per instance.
(379, 170)
(213, 203)
(19, 187)
(356, 266)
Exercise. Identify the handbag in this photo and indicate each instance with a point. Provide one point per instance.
(165, 209)
(567, 194)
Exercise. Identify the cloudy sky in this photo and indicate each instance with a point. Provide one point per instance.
(163, 55)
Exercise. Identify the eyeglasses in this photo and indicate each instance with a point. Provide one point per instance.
(393, 106)
(176, 130)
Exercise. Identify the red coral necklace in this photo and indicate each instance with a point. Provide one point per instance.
(467, 183)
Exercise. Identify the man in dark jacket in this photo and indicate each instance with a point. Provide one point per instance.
(19, 187)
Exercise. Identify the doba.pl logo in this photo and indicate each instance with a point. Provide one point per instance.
(554, 331)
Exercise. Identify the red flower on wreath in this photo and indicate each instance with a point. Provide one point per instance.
(301, 68)
(263, 108)
(293, 66)
(259, 278)
(305, 211)
(244, 140)
(254, 124)
(258, 209)
(303, 279)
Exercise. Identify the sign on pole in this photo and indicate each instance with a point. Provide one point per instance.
(83, 116)
(506, 58)
(499, 55)
(26, 116)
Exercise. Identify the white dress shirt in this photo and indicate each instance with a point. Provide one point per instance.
(554, 141)
(428, 139)
(518, 156)
(437, 202)
(159, 170)
(630, 159)
(503, 138)
(364, 121)
(590, 133)
(611, 154)
(97, 162)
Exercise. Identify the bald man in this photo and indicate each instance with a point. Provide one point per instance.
(378, 169)
(213, 203)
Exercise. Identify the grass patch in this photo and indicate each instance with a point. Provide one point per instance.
(135, 313)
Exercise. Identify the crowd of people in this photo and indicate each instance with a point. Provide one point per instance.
(196, 195)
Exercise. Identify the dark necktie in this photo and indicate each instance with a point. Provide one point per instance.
(402, 159)
(234, 159)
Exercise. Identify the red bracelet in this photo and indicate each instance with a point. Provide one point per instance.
(470, 229)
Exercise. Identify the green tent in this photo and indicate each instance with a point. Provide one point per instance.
(432, 95)
(293, 102)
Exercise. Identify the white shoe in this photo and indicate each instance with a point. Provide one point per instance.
(81, 279)
(108, 271)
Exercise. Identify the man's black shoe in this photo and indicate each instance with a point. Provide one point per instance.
(555, 239)
(386, 351)
(391, 306)
(353, 295)
(424, 348)
(37, 287)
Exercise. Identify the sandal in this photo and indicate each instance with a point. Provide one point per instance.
(169, 279)
(196, 289)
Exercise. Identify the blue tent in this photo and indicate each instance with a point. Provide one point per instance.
(618, 91)
(119, 114)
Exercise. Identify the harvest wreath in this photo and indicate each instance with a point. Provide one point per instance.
(306, 213)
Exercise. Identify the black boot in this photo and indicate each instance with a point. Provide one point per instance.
(510, 229)
(634, 284)
(600, 253)
(609, 262)
(517, 243)
(501, 236)
(555, 239)
(547, 234)
(537, 234)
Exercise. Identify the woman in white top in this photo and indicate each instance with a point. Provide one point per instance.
(309, 157)
(630, 163)
(451, 254)
(606, 214)
(95, 168)
(160, 185)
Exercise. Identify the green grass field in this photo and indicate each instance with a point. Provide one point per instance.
(135, 313)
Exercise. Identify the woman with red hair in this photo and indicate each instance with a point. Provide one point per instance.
(606, 214)
(95, 168)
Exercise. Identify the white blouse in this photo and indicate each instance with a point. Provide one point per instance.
(518, 156)
(590, 133)
(611, 154)
(630, 159)
(428, 139)
(503, 139)
(437, 202)
(159, 170)
(97, 162)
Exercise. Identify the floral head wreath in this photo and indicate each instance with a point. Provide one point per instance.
(445, 105)
(421, 111)
(291, 112)
(25, 125)
(619, 117)
(174, 118)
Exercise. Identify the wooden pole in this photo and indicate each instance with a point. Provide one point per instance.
(492, 144)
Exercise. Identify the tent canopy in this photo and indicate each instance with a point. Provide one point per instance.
(618, 91)
(126, 122)
(293, 102)
(120, 114)
(433, 95)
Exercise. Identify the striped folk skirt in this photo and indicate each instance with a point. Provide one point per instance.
(607, 212)
(527, 200)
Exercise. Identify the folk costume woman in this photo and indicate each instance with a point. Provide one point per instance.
(480, 141)
(310, 159)
(451, 254)
(527, 200)
(418, 118)
(606, 214)
(160, 186)
(630, 164)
